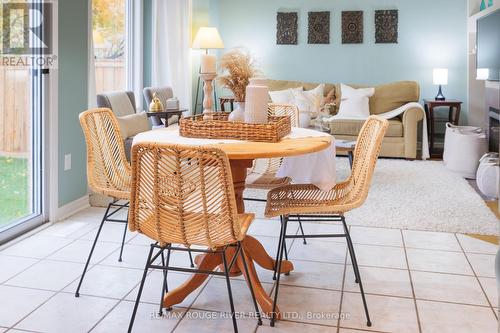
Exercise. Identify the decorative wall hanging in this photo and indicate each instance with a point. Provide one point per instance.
(319, 28)
(386, 26)
(352, 27)
(286, 33)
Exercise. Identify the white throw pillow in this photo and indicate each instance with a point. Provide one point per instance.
(354, 103)
(310, 100)
(284, 96)
(133, 124)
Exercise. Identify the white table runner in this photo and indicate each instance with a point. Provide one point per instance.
(314, 168)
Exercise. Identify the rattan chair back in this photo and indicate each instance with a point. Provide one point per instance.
(365, 158)
(183, 195)
(270, 166)
(108, 171)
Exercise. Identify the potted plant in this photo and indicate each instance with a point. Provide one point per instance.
(237, 67)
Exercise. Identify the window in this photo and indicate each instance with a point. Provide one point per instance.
(110, 38)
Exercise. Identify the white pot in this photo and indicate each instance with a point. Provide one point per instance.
(488, 175)
(239, 112)
(304, 119)
(256, 101)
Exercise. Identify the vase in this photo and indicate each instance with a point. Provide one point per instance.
(305, 119)
(490, 3)
(239, 113)
(483, 5)
(256, 101)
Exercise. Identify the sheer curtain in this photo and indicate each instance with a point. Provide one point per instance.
(91, 85)
(171, 56)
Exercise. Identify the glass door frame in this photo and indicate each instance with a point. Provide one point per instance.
(41, 102)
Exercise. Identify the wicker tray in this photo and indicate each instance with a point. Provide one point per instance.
(221, 128)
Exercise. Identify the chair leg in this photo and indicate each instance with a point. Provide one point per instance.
(242, 254)
(280, 259)
(278, 250)
(228, 282)
(139, 293)
(123, 242)
(164, 288)
(191, 259)
(77, 293)
(356, 271)
(302, 230)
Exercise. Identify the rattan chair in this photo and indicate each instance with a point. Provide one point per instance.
(262, 175)
(316, 205)
(184, 195)
(108, 171)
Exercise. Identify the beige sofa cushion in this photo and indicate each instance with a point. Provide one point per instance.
(388, 96)
(352, 127)
(282, 85)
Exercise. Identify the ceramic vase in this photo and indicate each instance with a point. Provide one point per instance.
(483, 5)
(239, 112)
(257, 98)
(305, 119)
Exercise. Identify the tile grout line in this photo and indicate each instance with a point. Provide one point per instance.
(411, 283)
(477, 278)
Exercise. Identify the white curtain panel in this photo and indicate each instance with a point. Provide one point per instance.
(171, 56)
(91, 92)
(134, 49)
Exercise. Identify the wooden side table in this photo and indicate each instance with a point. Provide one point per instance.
(454, 107)
(224, 100)
(167, 114)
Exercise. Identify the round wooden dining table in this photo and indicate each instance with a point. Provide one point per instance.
(241, 155)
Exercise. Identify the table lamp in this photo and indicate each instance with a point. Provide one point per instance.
(440, 77)
(482, 74)
(207, 38)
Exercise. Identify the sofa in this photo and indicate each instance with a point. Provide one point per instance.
(401, 137)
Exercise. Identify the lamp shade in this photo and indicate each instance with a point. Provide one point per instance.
(440, 76)
(208, 38)
(482, 74)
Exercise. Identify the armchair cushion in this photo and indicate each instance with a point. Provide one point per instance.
(122, 103)
(133, 124)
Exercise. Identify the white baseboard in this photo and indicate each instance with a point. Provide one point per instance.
(71, 208)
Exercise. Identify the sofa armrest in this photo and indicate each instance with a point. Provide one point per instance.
(411, 117)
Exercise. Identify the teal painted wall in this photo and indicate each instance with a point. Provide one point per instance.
(431, 34)
(73, 78)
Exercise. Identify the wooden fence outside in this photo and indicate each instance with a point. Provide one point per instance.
(15, 121)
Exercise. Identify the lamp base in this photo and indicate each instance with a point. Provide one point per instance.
(440, 96)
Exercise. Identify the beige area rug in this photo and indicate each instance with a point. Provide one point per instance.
(414, 195)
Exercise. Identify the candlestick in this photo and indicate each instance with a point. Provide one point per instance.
(208, 89)
(208, 63)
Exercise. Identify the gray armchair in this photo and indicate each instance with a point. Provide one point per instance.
(123, 106)
(163, 93)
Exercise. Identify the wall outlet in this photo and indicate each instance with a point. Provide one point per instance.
(67, 162)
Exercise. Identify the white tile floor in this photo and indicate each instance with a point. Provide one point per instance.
(415, 282)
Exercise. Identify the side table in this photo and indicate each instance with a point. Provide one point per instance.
(454, 107)
(224, 100)
(167, 114)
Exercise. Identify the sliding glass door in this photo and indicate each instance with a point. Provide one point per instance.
(24, 69)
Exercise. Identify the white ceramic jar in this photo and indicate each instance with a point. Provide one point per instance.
(257, 98)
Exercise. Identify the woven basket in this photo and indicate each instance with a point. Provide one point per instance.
(221, 128)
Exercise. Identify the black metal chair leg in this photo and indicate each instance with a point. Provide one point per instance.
(242, 253)
(77, 293)
(228, 282)
(139, 293)
(280, 259)
(164, 288)
(123, 242)
(356, 271)
(278, 250)
(191, 259)
(301, 230)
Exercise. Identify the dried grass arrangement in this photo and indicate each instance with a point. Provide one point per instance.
(237, 67)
